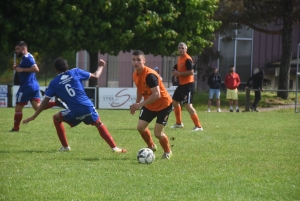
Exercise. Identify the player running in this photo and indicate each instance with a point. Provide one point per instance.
(157, 103)
(68, 86)
(29, 89)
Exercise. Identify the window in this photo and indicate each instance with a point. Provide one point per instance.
(237, 52)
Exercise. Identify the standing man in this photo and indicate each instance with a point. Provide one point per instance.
(214, 82)
(29, 86)
(68, 86)
(232, 81)
(257, 82)
(185, 90)
(157, 103)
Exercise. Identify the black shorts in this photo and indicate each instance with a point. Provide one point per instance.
(162, 115)
(184, 93)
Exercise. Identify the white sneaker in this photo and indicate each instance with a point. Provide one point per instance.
(197, 129)
(219, 110)
(65, 148)
(167, 155)
(119, 150)
(177, 126)
(208, 110)
(154, 148)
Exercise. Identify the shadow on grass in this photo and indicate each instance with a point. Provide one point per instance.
(106, 158)
(128, 129)
(26, 151)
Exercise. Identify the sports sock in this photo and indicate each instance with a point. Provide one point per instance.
(164, 142)
(61, 132)
(231, 107)
(177, 111)
(104, 133)
(236, 107)
(146, 135)
(195, 119)
(17, 120)
(50, 105)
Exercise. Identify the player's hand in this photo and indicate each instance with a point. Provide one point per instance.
(101, 63)
(132, 110)
(174, 72)
(134, 107)
(26, 121)
(15, 66)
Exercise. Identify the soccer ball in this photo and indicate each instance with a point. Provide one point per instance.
(145, 156)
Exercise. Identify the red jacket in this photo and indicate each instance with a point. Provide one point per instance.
(232, 81)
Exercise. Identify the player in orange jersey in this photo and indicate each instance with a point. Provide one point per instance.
(157, 103)
(185, 90)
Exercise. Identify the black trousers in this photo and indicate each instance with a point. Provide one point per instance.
(257, 98)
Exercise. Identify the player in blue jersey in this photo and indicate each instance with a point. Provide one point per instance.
(68, 86)
(29, 89)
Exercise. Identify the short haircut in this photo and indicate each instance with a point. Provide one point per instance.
(231, 66)
(138, 53)
(182, 44)
(61, 64)
(21, 43)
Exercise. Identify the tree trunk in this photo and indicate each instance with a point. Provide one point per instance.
(93, 67)
(285, 63)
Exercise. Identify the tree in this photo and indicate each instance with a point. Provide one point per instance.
(108, 26)
(258, 14)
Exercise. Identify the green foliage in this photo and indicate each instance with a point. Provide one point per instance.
(259, 15)
(246, 156)
(109, 26)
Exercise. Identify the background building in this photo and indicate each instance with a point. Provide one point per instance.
(248, 49)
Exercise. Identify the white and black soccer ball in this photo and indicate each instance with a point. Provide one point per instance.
(145, 156)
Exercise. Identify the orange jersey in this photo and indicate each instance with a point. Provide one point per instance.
(181, 67)
(140, 81)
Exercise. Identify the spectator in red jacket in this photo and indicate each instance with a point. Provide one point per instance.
(232, 81)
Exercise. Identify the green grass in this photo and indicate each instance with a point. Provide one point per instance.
(238, 156)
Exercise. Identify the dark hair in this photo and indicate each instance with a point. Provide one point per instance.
(138, 53)
(231, 66)
(21, 43)
(61, 64)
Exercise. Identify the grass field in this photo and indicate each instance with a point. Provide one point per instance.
(238, 156)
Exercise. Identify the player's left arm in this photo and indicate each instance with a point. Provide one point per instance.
(42, 107)
(98, 72)
(238, 80)
(33, 69)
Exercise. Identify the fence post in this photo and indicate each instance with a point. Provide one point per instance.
(247, 101)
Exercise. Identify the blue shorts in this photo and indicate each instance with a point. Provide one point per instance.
(213, 92)
(24, 95)
(87, 115)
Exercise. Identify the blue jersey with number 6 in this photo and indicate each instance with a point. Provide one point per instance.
(68, 87)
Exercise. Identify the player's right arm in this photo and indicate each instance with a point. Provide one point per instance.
(42, 107)
(138, 99)
(138, 96)
(98, 72)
